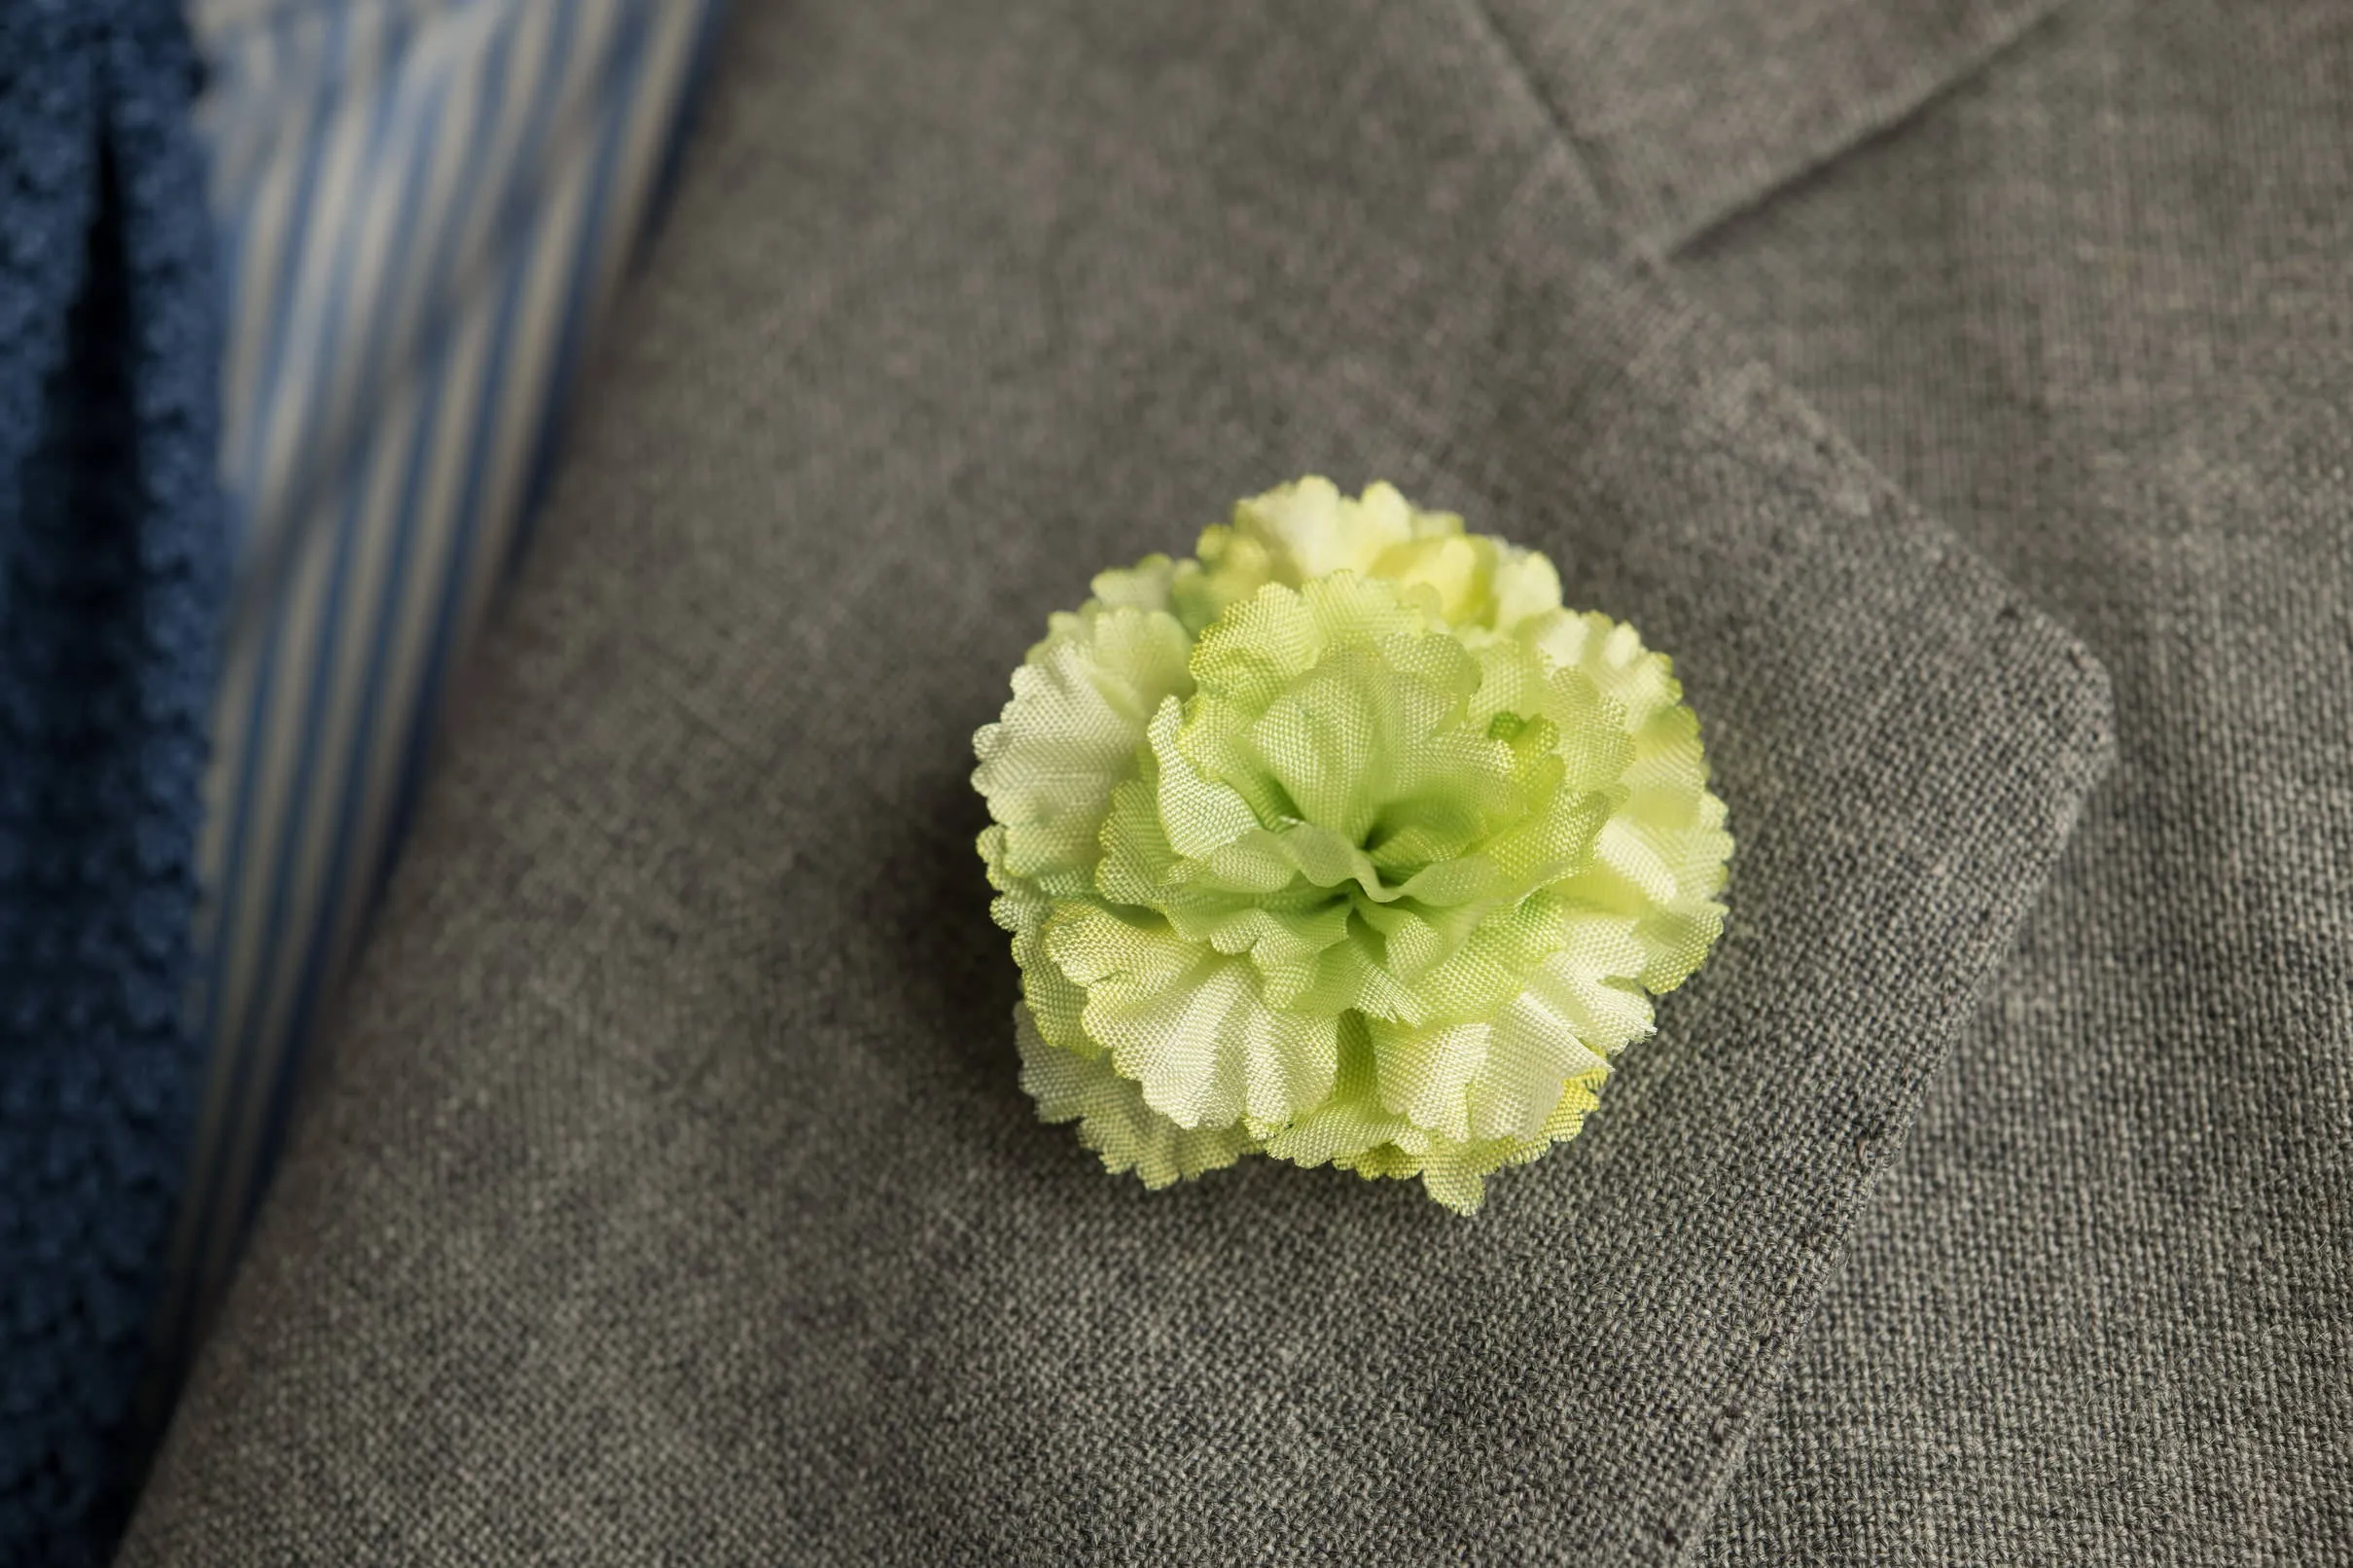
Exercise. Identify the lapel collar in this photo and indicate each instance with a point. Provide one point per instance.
(954, 308)
(1687, 113)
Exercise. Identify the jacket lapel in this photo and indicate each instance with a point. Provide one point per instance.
(686, 1021)
(1687, 113)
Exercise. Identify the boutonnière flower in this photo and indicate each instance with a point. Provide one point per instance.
(1342, 842)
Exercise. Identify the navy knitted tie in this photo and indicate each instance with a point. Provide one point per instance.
(112, 564)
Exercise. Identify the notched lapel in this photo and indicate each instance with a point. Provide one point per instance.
(1688, 113)
(954, 309)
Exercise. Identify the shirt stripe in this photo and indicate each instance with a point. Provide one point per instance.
(425, 206)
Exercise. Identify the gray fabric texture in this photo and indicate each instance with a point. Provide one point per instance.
(1685, 113)
(674, 1198)
(670, 1199)
(2095, 309)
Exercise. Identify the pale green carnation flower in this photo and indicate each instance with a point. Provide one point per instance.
(1343, 841)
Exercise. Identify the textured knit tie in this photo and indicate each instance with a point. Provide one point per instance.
(111, 564)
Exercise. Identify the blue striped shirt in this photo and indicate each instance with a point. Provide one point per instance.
(424, 205)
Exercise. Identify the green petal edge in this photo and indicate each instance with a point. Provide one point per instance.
(1343, 842)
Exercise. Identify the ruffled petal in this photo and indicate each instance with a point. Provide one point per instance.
(1113, 1119)
(1071, 735)
(1190, 1024)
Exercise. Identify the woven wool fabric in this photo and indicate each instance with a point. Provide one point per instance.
(2095, 310)
(673, 1199)
(111, 581)
(1683, 114)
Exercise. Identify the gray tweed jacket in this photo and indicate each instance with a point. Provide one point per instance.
(1961, 389)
